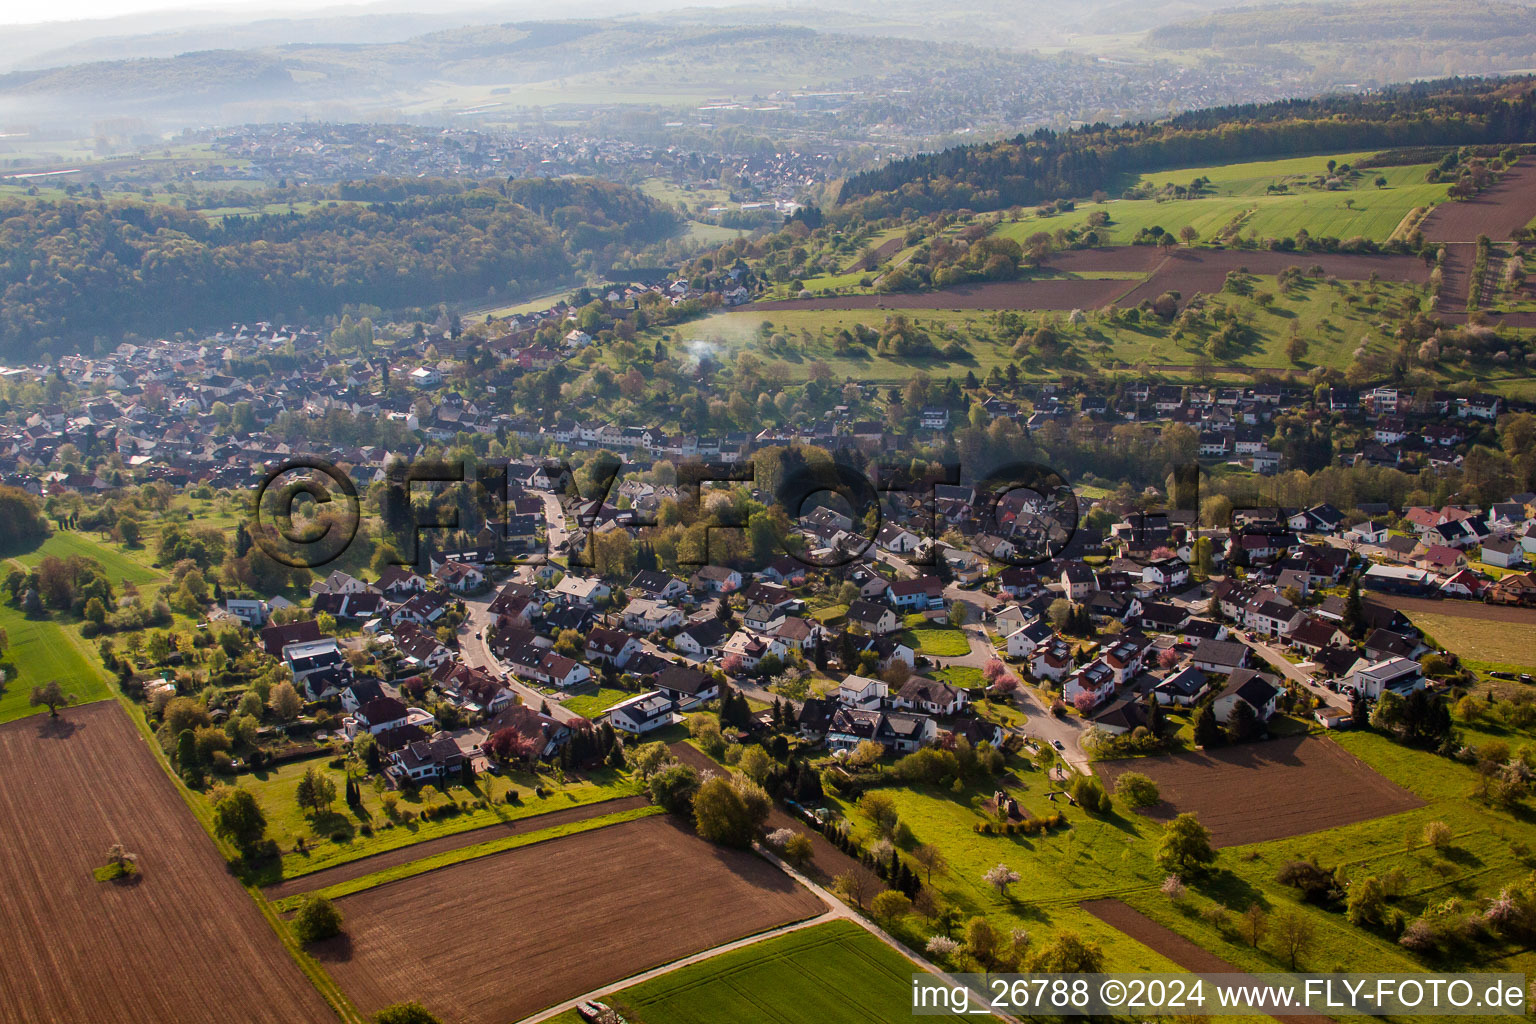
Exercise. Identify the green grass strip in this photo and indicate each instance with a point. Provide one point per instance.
(451, 857)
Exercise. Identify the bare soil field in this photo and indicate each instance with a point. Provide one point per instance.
(183, 942)
(1173, 945)
(1459, 609)
(1497, 212)
(1066, 293)
(827, 861)
(1259, 791)
(1118, 258)
(1188, 271)
(496, 939)
(1457, 276)
(1183, 270)
(406, 854)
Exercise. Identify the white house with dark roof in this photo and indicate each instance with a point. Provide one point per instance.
(644, 713)
(1259, 690)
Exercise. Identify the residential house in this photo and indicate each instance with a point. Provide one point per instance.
(916, 595)
(1506, 554)
(702, 639)
(862, 692)
(613, 646)
(538, 731)
(923, 694)
(380, 714)
(425, 760)
(644, 713)
(1372, 678)
(1259, 690)
(1222, 656)
(643, 615)
(686, 687)
(872, 618)
(1183, 688)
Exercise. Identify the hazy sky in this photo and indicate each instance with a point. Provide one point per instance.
(14, 12)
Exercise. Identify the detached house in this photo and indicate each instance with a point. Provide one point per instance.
(686, 687)
(872, 618)
(644, 615)
(923, 694)
(611, 645)
(425, 760)
(644, 713)
(1259, 690)
(918, 595)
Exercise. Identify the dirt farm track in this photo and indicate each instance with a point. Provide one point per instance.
(185, 944)
(1270, 790)
(495, 939)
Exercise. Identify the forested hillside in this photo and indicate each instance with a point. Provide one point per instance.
(1048, 165)
(73, 270)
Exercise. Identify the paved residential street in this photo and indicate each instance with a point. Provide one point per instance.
(1277, 659)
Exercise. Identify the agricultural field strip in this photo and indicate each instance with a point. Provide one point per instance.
(1307, 784)
(1176, 947)
(833, 971)
(95, 782)
(376, 862)
(459, 855)
(596, 923)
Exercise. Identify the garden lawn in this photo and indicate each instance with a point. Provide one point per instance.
(41, 651)
(590, 705)
(337, 836)
(963, 676)
(830, 972)
(938, 641)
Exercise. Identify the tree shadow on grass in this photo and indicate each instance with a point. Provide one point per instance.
(1230, 889)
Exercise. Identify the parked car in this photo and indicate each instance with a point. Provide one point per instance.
(1057, 744)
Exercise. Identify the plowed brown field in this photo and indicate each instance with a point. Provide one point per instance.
(496, 939)
(182, 944)
(1259, 791)
(1496, 212)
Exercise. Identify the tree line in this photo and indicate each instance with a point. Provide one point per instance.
(1047, 165)
(76, 269)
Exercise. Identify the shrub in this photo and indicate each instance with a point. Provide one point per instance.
(941, 946)
(1136, 789)
(317, 919)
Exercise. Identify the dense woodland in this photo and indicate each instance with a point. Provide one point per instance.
(1046, 165)
(74, 270)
